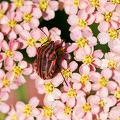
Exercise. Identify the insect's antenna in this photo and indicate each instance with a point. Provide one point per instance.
(62, 75)
(46, 36)
(43, 32)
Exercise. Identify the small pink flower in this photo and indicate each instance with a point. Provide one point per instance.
(18, 70)
(71, 7)
(68, 69)
(70, 96)
(111, 61)
(49, 88)
(63, 111)
(108, 36)
(82, 80)
(47, 112)
(85, 108)
(7, 82)
(10, 52)
(27, 111)
(30, 17)
(89, 57)
(47, 7)
(106, 17)
(80, 21)
(81, 40)
(8, 24)
(29, 40)
(102, 82)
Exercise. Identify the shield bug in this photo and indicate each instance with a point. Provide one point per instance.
(47, 57)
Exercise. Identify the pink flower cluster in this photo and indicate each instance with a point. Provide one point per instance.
(86, 83)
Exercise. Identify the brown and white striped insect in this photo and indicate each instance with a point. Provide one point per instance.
(47, 56)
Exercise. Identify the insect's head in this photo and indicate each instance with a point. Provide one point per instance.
(59, 47)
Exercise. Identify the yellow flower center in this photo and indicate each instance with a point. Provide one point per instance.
(76, 2)
(103, 82)
(113, 34)
(18, 3)
(82, 23)
(44, 41)
(84, 79)
(12, 23)
(49, 87)
(1, 13)
(9, 53)
(101, 103)
(81, 42)
(27, 110)
(112, 64)
(115, 2)
(88, 59)
(43, 5)
(86, 107)
(117, 94)
(71, 93)
(17, 71)
(68, 110)
(118, 118)
(48, 111)
(66, 73)
(107, 16)
(94, 3)
(6, 82)
(14, 117)
(27, 17)
(31, 42)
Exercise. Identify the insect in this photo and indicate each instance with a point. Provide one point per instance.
(47, 56)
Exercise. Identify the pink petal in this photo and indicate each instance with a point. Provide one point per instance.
(20, 106)
(71, 102)
(82, 14)
(103, 26)
(109, 7)
(84, 69)
(33, 53)
(72, 19)
(25, 35)
(37, 13)
(107, 73)
(73, 66)
(103, 38)
(34, 101)
(54, 5)
(1, 36)
(35, 33)
(18, 28)
(56, 93)
(34, 23)
(35, 112)
(17, 56)
(14, 45)
(5, 46)
(22, 64)
(27, 71)
(4, 108)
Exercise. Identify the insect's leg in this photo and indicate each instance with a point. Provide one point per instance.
(61, 73)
